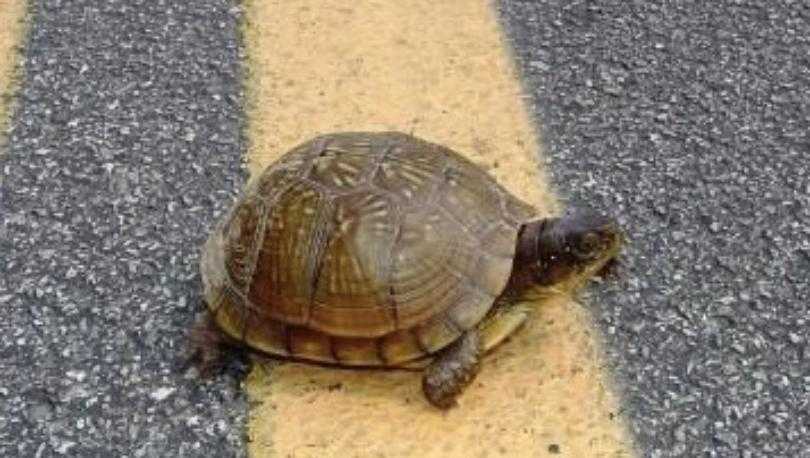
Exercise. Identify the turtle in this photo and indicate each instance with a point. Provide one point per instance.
(382, 249)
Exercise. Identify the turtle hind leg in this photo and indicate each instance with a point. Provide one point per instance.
(453, 369)
(211, 352)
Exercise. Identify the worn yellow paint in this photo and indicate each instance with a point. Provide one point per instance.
(439, 69)
(12, 26)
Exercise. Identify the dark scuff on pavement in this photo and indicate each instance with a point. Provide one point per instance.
(690, 119)
(125, 147)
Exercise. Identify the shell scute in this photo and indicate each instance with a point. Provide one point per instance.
(363, 249)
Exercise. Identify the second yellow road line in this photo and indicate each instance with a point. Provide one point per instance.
(441, 70)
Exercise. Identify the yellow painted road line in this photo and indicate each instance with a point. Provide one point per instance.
(441, 70)
(12, 14)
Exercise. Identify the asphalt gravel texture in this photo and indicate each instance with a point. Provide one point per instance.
(689, 121)
(126, 143)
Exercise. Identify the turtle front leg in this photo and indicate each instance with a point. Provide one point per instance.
(453, 369)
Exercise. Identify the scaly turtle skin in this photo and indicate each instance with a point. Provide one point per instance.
(381, 249)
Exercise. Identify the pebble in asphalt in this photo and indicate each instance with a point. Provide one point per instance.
(690, 120)
(126, 143)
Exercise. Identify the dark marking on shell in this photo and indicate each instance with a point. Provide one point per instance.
(332, 350)
(288, 347)
(380, 352)
(323, 228)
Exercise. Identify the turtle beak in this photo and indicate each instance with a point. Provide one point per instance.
(611, 270)
(612, 267)
(613, 237)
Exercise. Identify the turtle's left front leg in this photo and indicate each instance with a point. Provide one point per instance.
(453, 369)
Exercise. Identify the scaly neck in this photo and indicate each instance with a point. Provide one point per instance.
(526, 255)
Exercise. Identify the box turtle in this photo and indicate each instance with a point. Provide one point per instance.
(382, 249)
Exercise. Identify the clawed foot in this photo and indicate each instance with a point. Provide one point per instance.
(453, 370)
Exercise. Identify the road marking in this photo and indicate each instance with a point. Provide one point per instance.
(441, 70)
(12, 27)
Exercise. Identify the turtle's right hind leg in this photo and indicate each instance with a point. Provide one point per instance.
(211, 349)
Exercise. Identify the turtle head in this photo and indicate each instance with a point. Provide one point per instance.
(562, 252)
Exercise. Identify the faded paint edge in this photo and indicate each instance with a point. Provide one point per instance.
(14, 20)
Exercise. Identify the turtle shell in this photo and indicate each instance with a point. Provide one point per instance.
(370, 249)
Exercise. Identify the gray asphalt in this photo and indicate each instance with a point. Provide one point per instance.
(126, 143)
(689, 120)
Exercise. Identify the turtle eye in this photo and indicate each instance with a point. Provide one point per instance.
(588, 244)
